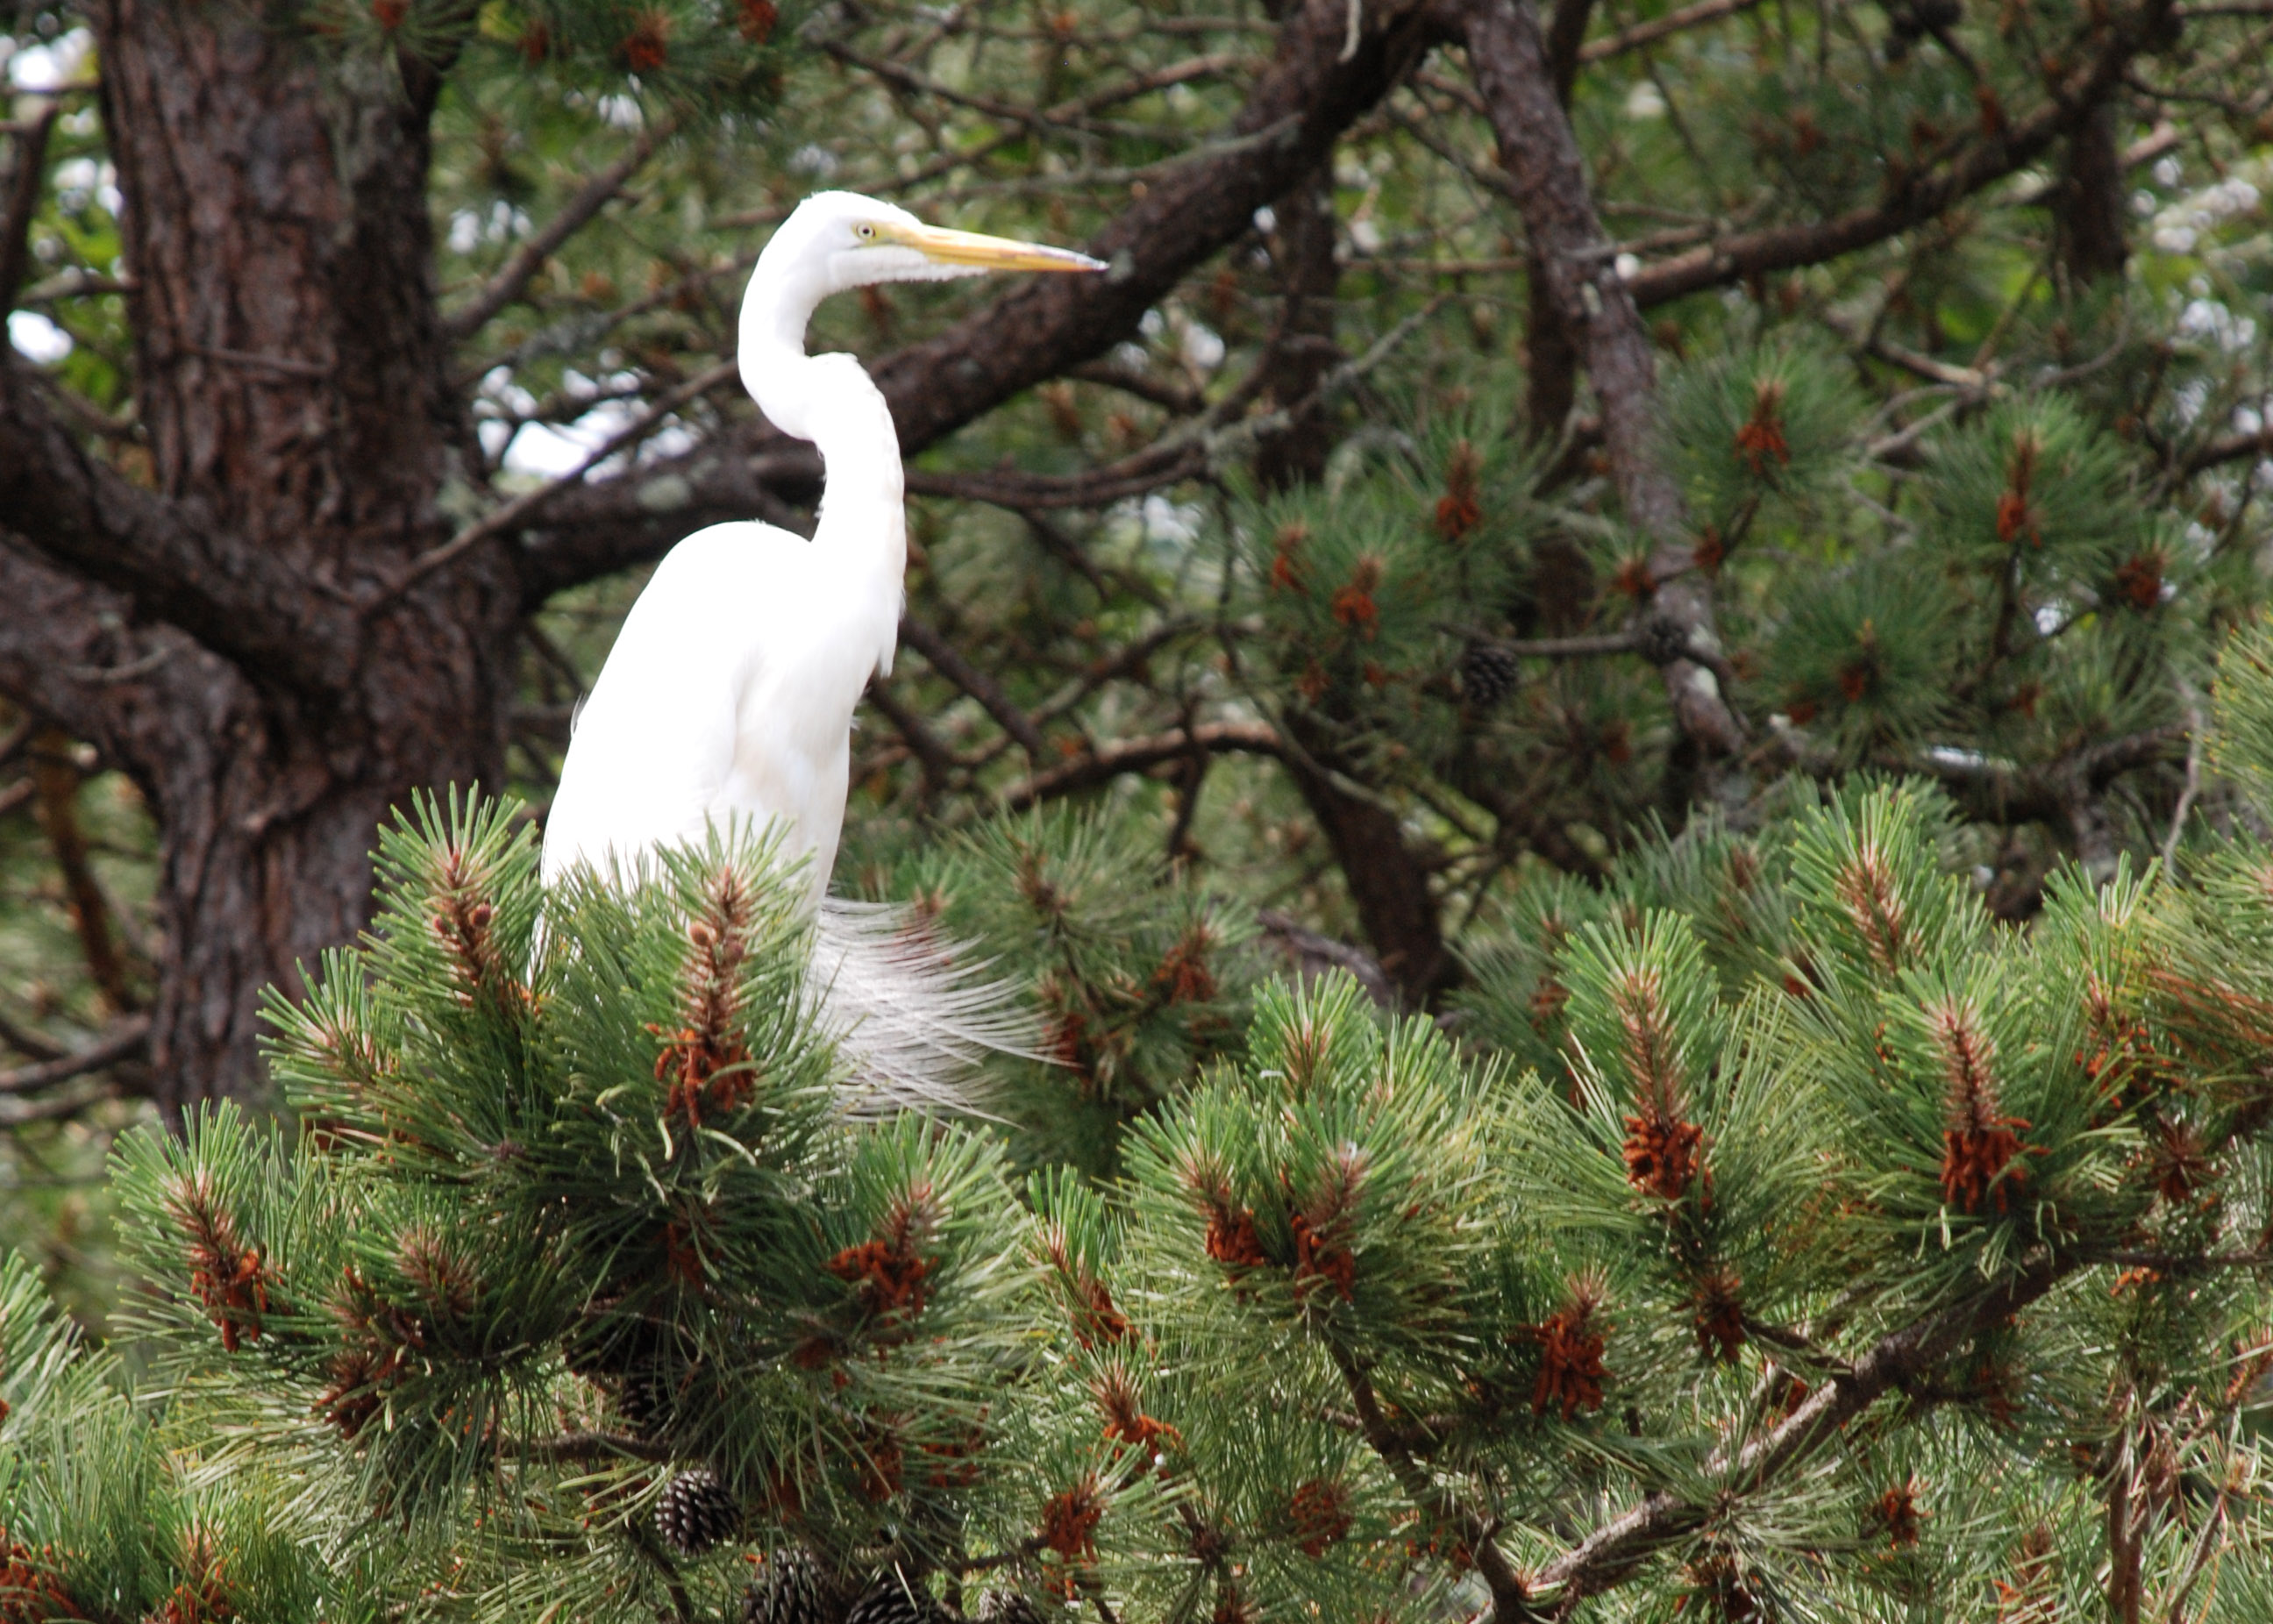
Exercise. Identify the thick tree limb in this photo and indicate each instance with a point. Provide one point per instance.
(54, 635)
(2230, 448)
(949, 662)
(1313, 955)
(232, 596)
(1912, 199)
(1042, 328)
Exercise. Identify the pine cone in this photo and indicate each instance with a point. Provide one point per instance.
(894, 1600)
(1007, 1607)
(696, 1513)
(1489, 673)
(644, 1399)
(787, 1592)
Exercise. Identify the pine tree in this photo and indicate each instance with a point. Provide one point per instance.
(1785, 1236)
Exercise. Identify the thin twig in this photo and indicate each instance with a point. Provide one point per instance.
(949, 662)
(124, 1041)
(504, 287)
(1133, 755)
(2197, 732)
(519, 510)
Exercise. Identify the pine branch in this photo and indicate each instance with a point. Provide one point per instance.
(586, 1447)
(1612, 1552)
(948, 662)
(1679, 20)
(1911, 200)
(595, 195)
(1135, 755)
(1510, 1594)
(124, 1042)
(1539, 151)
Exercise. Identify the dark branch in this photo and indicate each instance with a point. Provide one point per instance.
(1676, 21)
(1041, 329)
(24, 174)
(238, 599)
(1911, 200)
(124, 1042)
(504, 287)
(1612, 1552)
(944, 659)
(1136, 755)
(1539, 151)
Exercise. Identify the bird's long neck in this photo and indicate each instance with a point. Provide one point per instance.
(831, 402)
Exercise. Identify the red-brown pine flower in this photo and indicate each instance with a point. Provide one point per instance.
(2139, 578)
(1230, 1238)
(2015, 517)
(388, 14)
(1570, 1344)
(1353, 605)
(1719, 1320)
(1761, 440)
(1663, 1152)
(1183, 976)
(1981, 1146)
(756, 19)
(1125, 1420)
(1318, 1516)
(647, 46)
(1288, 570)
(1461, 509)
(1069, 1521)
(704, 1062)
(1321, 1250)
(891, 1268)
(29, 1588)
(1896, 1514)
(227, 1276)
(1872, 897)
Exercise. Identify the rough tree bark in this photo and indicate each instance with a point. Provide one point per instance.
(1539, 151)
(231, 638)
(291, 379)
(2088, 204)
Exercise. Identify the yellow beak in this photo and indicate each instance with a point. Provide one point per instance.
(994, 253)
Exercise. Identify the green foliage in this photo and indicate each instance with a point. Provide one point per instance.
(1140, 975)
(572, 1210)
(688, 52)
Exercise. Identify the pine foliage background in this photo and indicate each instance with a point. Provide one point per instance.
(1820, 1176)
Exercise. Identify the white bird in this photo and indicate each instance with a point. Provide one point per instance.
(728, 698)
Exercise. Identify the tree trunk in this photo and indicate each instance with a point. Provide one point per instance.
(293, 379)
(2088, 204)
(231, 627)
(1303, 349)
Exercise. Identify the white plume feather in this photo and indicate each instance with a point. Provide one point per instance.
(911, 1015)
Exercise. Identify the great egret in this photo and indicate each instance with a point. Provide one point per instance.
(728, 697)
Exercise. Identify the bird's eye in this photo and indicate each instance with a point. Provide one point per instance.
(864, 232)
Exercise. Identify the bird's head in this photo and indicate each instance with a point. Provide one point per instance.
(840, 240)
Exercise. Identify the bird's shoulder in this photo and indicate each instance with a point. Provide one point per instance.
(728, 549)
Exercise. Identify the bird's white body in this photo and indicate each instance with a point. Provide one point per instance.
(727, 700)
(729, 695)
